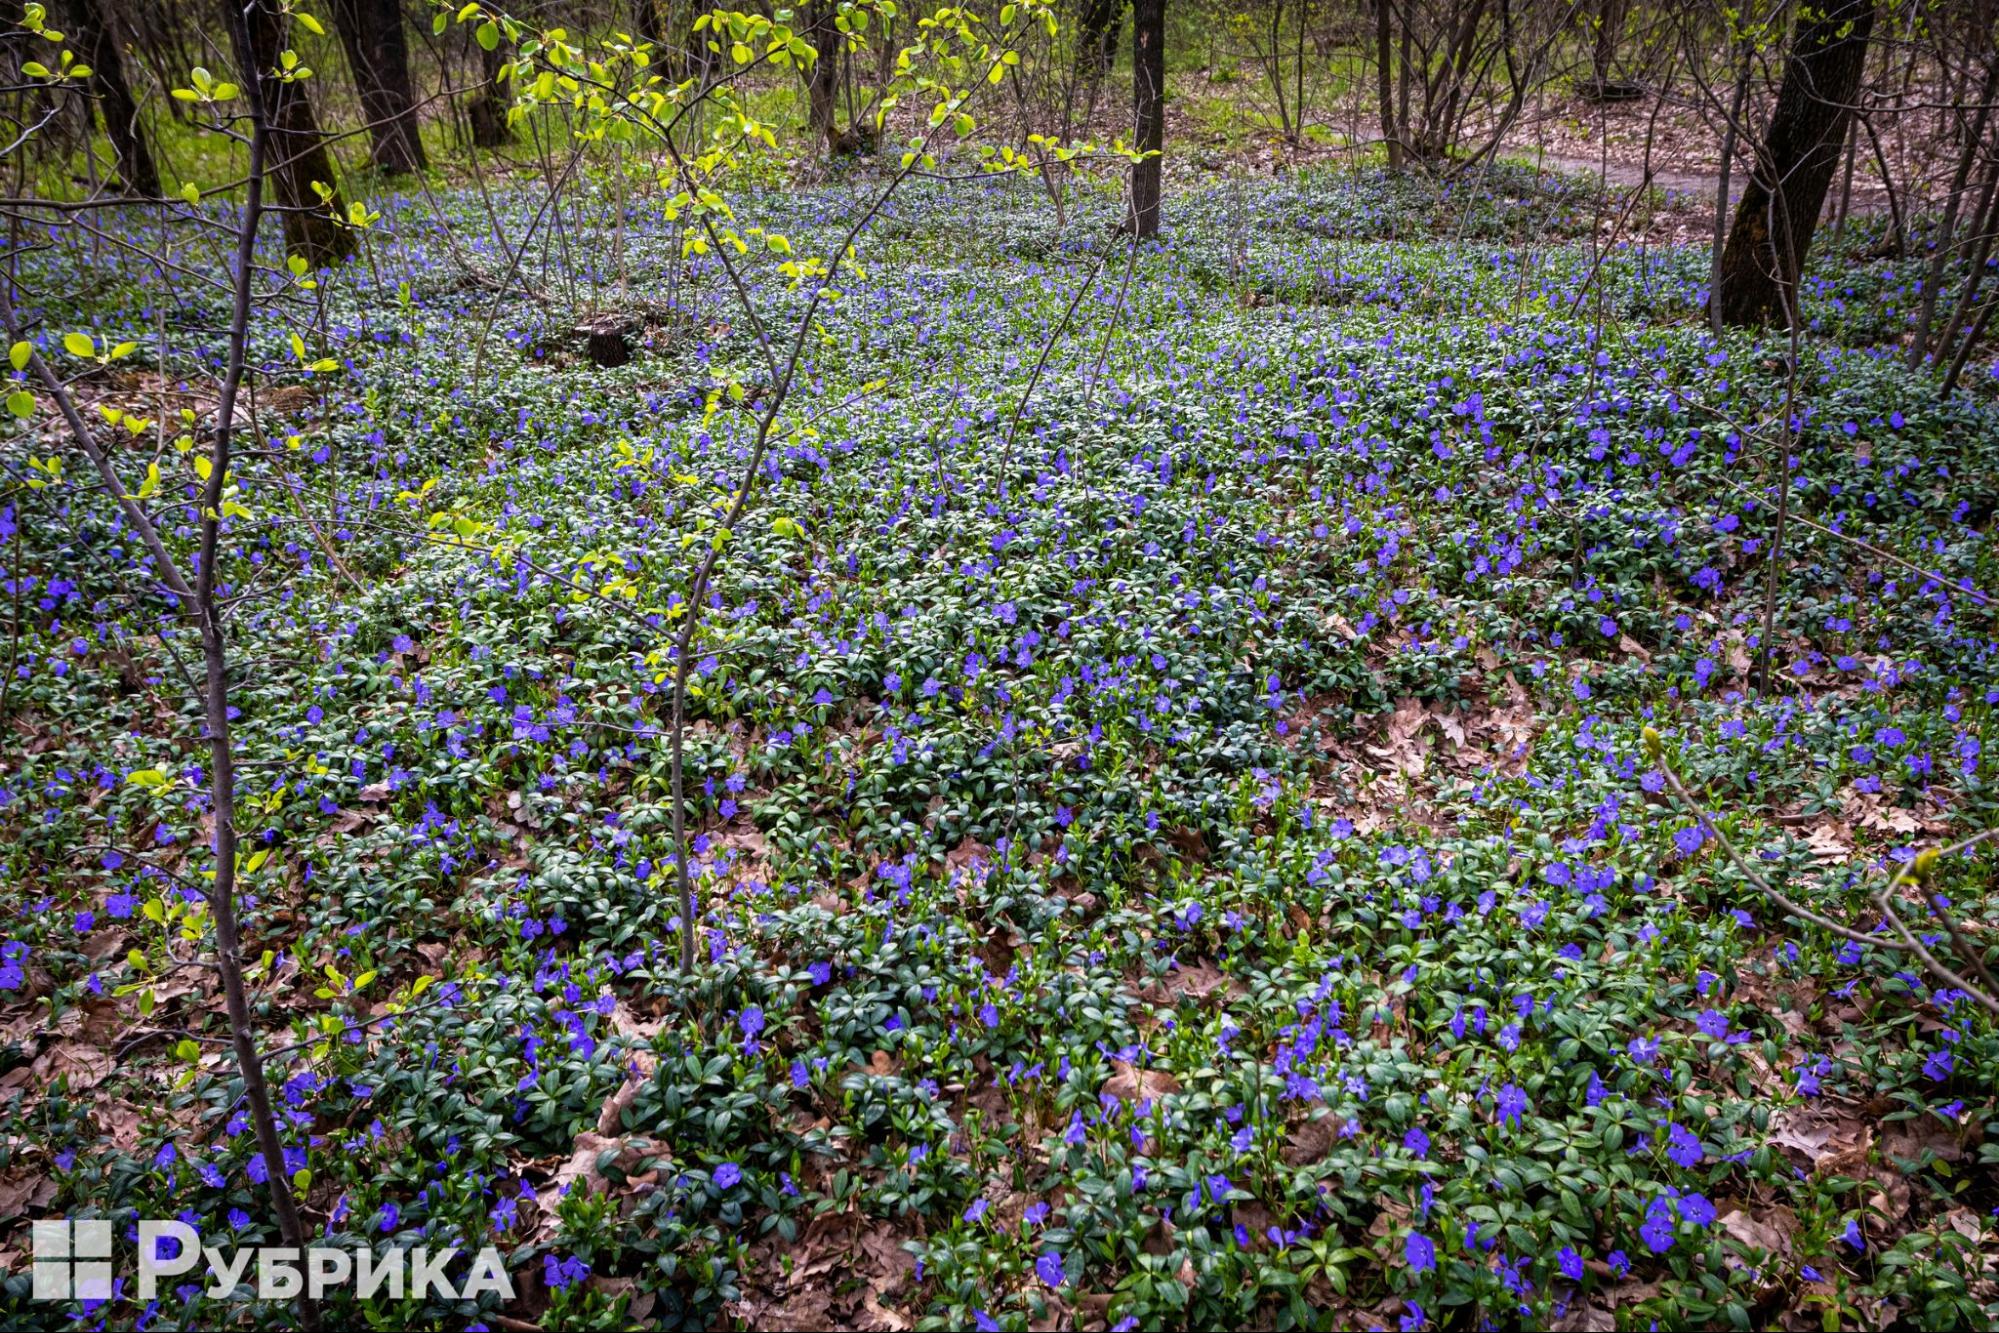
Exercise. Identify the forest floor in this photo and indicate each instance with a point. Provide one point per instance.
(1175, 837)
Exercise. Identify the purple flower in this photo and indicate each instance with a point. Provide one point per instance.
(728, 1175)
(1417, 1142)
(1512, 1105)
(1049, 1268)
(1419, 1252)
(1570, 1263)
(1660, 1222)
(560, 1273)
(1683, 1146)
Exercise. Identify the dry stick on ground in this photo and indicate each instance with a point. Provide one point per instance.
(1908, 943)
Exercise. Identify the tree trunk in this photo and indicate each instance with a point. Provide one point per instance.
(1096, 38)
(1772, 232)
(100, 40)
(822, 77)
(646, 26)
(486, 108)
(371, 32)
(1384, 59)
(1603, 53)
(299, 157)
(1728, 137)
(1947, 229)
(1148, 84)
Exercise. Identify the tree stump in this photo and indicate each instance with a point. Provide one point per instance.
(607, 339)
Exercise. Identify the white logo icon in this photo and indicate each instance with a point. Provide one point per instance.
(72, 1261)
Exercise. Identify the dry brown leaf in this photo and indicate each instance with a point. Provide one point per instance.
(1770, 1229)
(84, 1065)
(1130, 1084)
(24, 1188)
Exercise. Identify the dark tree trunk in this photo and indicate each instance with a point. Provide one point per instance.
(1946, 235)
(1603, 55)
(371, 32)
(486, 109)
(1719, 248)
(100, 38)
(1603, 86)
(822, 79)
(1096, 37)
(299, 157)
(646, 26)
(1384, 59)
(1148, 83)
(1773, 226)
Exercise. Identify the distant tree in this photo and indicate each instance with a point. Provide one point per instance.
(371, 32)
(646, 26)
(100, 37)
(1096, 36)
(1148, 81)
(1384, 61)
(822, 76)
(1773, 226)
(299, 160)
(486, 106)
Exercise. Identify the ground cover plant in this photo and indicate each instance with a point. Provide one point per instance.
(1355, 762)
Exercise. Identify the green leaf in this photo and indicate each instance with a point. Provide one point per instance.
(488, 35)
(18, 355)
(78, 344)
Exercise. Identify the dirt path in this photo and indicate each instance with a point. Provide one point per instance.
(1699, 185)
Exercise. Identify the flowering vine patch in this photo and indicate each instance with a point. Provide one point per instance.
(1188, 856)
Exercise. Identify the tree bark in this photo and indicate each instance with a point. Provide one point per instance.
(100, 40)
(1772, 231)
(299, 157)
(1384, 59)
(371, 32)
(1960, 182)
(1604, 54)
(1721, 192)
(486, 108)
(646, 26)
(1148, 82)
(822, 77)
(1096, 37)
